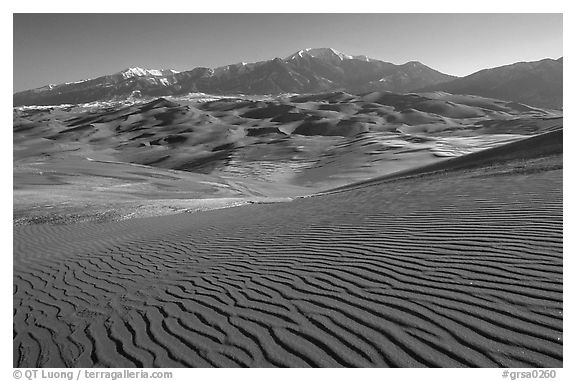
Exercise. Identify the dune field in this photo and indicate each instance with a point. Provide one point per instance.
(454, 264)
(112, 161)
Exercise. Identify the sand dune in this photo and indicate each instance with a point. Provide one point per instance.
(458, 268)
(509, 156)
(251, 147)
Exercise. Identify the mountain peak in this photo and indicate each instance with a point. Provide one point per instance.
(306, 71)
(329, 54)
(140, 72)
(326, 53)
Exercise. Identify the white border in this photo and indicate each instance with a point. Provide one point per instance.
(298, 6)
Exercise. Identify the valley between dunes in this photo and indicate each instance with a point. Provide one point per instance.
(458, 264)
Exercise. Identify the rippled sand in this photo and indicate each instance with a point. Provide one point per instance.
(457, 267)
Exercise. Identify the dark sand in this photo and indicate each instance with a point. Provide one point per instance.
(458, 268)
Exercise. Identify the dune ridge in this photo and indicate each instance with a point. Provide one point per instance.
(459, 269)
(541, 145)
(104, 162)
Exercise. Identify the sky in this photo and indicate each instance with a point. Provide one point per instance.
(57, 48)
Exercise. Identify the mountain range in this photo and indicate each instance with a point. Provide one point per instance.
(536, 83)
(312, 71)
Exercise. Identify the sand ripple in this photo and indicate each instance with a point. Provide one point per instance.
(450, 270)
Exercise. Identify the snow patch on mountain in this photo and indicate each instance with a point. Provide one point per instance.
(140, 72)
(326, 53)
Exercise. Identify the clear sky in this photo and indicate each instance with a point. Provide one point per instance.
(56, 48)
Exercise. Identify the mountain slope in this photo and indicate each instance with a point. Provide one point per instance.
(121, 84)
(537, 83)
(306, 71)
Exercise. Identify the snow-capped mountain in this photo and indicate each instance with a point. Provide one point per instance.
(326, 54)
(322, 53)
(306, 71)
(139, 72)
